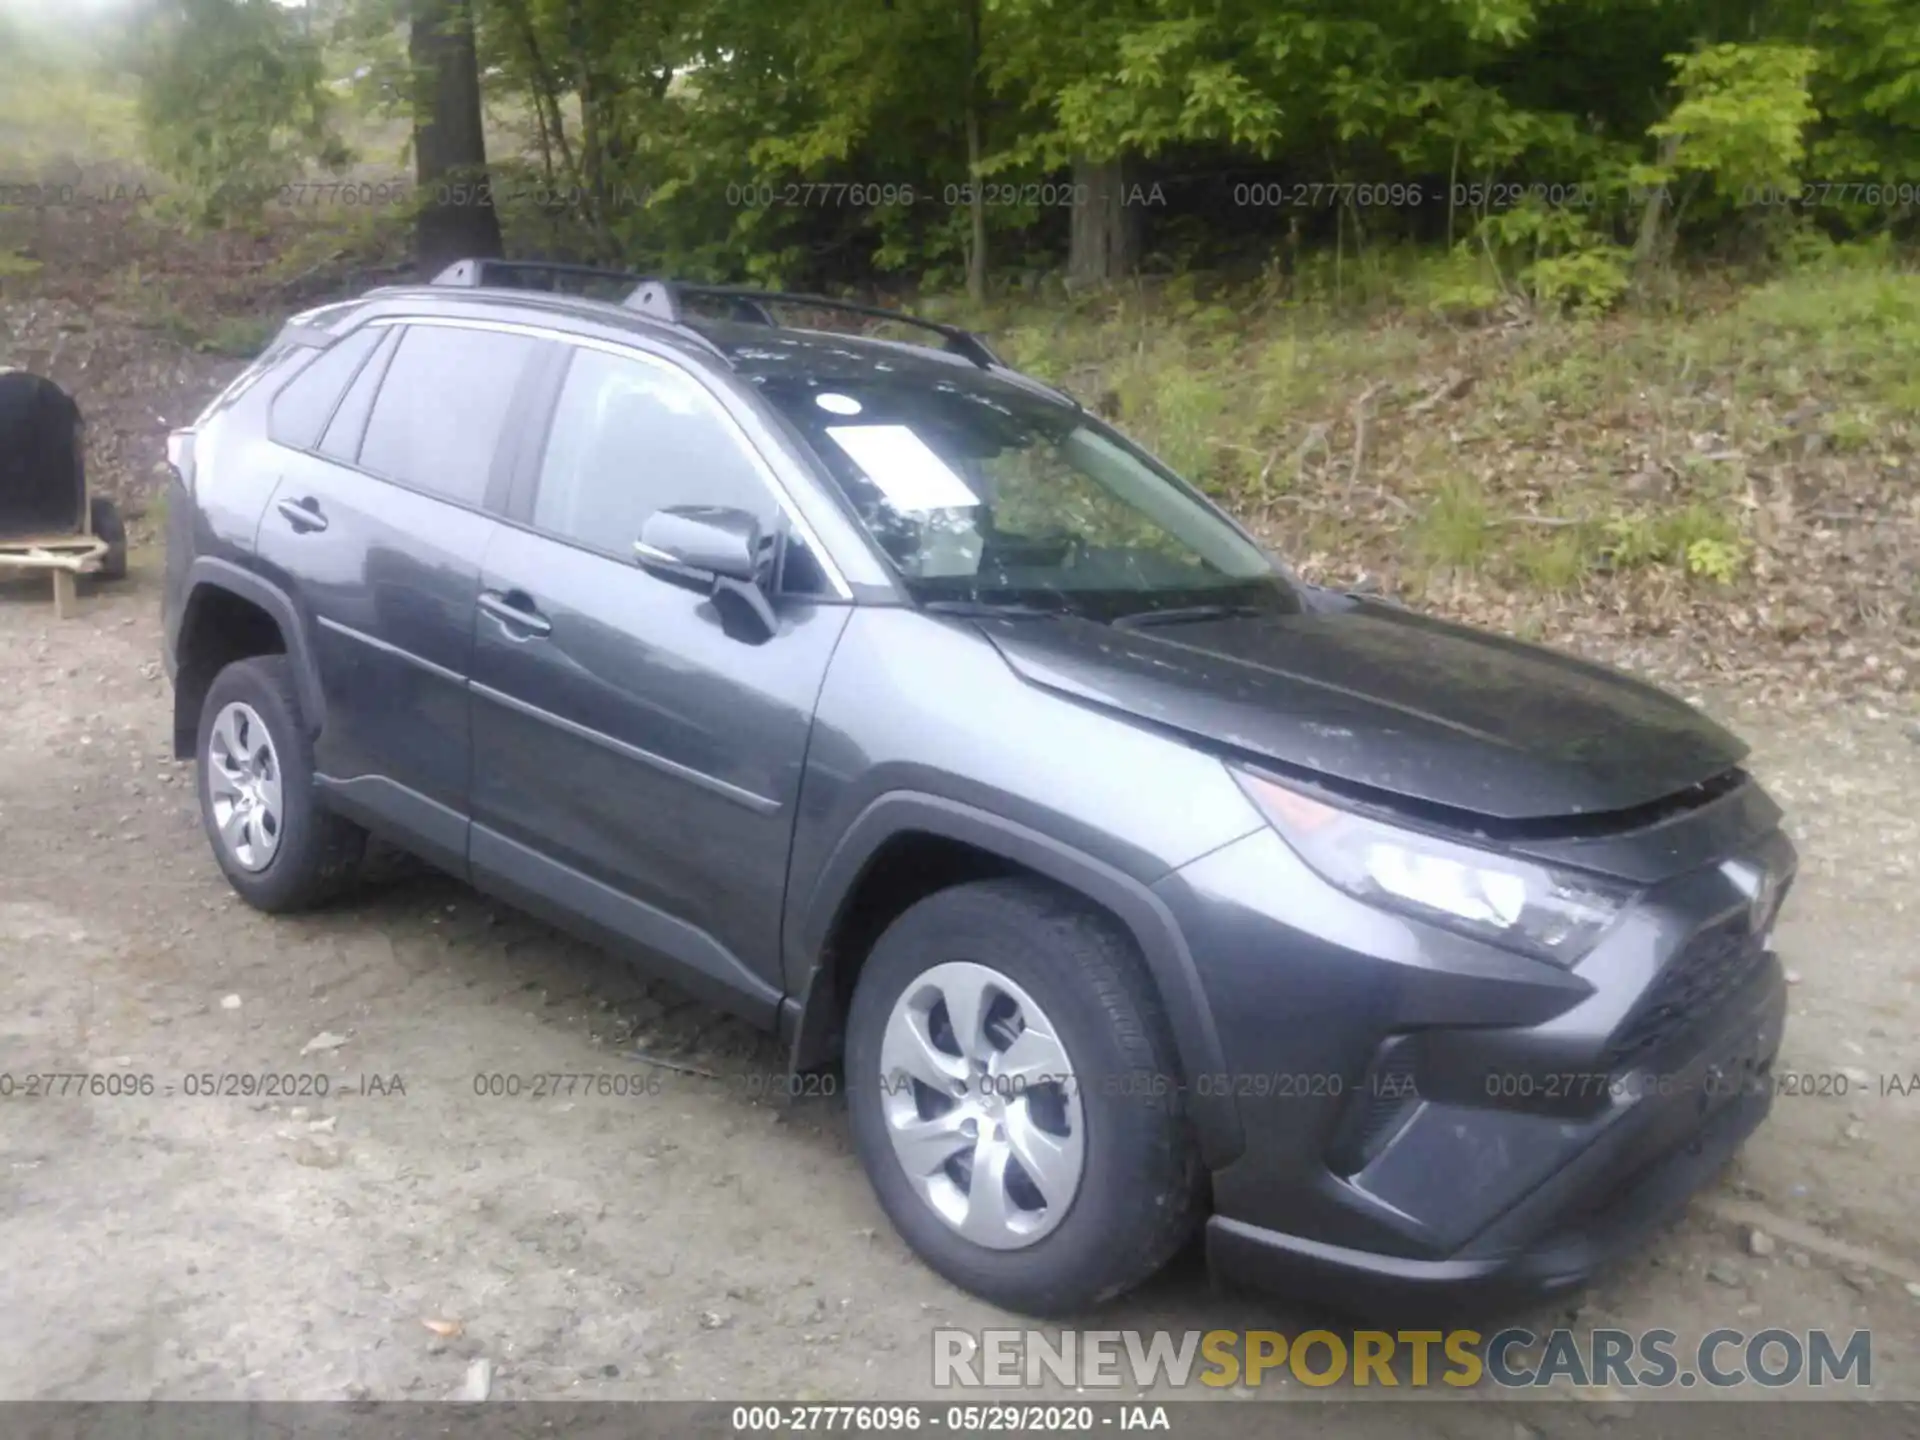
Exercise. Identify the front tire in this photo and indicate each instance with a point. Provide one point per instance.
(279, 849)
(1014, 1098)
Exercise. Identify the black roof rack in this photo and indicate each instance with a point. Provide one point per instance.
(665, 300)
(524, 274)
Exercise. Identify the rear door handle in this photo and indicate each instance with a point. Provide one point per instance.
(515, 611)
(304, 514)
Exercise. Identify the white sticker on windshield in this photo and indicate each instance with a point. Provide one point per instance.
(909, 474)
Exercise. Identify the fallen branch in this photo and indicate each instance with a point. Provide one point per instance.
(1535, 520)
(1452, 386)
(1359, 412)
(645, 1059)
(1316, 435)
(334, 259)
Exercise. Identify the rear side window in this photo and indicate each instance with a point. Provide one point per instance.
(279, 353)
(299, 412)
(442, 407)
(342, 438)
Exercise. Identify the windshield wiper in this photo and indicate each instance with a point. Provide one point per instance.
(976, 609)
(1181, 614)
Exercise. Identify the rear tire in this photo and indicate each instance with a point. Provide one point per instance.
(103, 519)
(1038, 954)
(278, 847)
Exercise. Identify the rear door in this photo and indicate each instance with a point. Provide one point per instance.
(637, 751)
(396, 437)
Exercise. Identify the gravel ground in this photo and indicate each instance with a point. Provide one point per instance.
(697, 1241)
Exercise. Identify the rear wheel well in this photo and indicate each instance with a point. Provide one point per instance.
(220, 627)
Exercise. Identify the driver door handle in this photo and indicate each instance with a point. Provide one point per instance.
(514, 609)
(303, 514)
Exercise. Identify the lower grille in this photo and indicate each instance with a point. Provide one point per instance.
(1692, 986)
(1375, 1112)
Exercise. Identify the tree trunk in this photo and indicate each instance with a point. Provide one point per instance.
(1103, 244)
(977, 205)
(456, 217)
(1653, 245)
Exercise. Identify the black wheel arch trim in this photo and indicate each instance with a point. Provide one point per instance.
(209, 572)
(814, 1021)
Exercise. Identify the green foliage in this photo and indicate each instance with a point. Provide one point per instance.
(1718, 560)
(1698, 538)
(1558, 260)
(832, 142)
(60, 96)
(233, 102)
(1741, 119)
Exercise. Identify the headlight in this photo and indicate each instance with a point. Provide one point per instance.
(1549, 914)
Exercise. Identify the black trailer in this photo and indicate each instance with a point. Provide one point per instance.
(47, 519)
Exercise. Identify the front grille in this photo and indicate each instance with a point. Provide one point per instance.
(1692, 986)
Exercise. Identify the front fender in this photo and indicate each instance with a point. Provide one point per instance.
(815, 1021)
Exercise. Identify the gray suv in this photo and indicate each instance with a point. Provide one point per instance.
(882, 695)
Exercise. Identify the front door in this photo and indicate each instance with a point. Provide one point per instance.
(637, 753)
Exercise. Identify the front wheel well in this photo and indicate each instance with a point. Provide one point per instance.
(906, 869)
(219, 628)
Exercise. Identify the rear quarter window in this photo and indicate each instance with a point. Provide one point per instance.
(304, 404)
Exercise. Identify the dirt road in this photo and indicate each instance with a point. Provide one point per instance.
(692, 1239)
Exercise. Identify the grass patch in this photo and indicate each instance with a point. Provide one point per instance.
(1557, 562)
(143, 297)
(1456, 529)
(1853, 327)
(240, 336)
(1362, 417)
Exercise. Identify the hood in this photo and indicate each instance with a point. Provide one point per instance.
(1395, 702)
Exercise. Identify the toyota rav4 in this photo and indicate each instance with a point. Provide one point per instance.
(884, 696)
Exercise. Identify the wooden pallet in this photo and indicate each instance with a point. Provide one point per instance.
(61, 556)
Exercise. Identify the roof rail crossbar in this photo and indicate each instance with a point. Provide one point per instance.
(540, 276)
(666, 300)
(524, 274)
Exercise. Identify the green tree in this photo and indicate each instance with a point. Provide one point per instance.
(233, 101)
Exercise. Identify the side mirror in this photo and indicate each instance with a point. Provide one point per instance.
(716, 545)
(713, 540)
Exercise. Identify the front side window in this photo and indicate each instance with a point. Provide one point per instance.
(442, 408)
(630, 437)
(979, 491)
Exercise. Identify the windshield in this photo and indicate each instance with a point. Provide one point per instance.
(984, 494)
